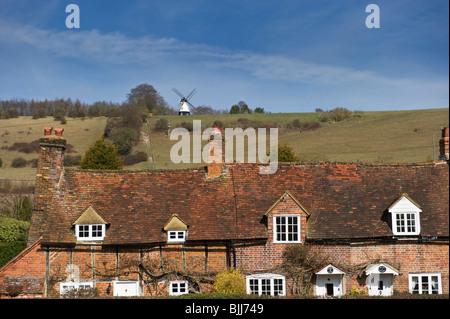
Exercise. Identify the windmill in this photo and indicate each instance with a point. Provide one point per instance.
(184, 108)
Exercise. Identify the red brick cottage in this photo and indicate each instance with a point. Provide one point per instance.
(379, 228)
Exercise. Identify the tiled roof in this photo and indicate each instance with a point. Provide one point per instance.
(343, 201)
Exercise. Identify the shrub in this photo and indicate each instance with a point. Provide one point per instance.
(8, 250)
(70, 160)
(13, 230)
(161, 125)
(101, 155)
(134, 158)
(188, 126)
(335, 115)
(24, 147)
(81, 293)
(305, 126)
(356, 291)
(286, 154)
(19, 162)
(232, 282)
(123, 138)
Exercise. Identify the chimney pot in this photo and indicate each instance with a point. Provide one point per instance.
(48, 130)
(59, 131)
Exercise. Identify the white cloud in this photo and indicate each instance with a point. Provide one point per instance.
(162, 57)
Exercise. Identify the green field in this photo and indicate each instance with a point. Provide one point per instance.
(79, 133)
(381, 137)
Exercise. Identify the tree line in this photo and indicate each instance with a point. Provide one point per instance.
(144, 97)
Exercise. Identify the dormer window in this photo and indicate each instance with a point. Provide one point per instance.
(405, 223)
(176, 235)
(90, 232)
(90, 226)
(405, 216)
(176, 229)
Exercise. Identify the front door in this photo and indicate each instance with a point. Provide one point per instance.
(330, 289)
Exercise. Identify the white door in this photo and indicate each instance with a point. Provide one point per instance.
(126, 288)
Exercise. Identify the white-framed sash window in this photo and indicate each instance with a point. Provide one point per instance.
(178, 287)
(286, 228)
(266, 284)
(176, 235)
(90, 232)
(428, 283)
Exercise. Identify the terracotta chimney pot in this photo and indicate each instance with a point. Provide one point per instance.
(59, 131)
(48, 130)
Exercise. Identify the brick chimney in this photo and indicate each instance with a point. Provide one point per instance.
(49, 170)
(216, 156)
(443, 145)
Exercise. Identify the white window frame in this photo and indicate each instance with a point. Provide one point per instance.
(267, 283)
(176, 286)
(421, 282)
(397, 217)
(286, 231)
(66, 287)
(176, 236)
(90, 229)
(400, 211)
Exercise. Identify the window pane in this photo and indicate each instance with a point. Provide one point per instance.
(277, 287)
(400, 223)
(425, 289)
(411, 223)
(254, 286)
(96, 230)
(83, 231)
(265, 286)
(415, 284)
(434, 285)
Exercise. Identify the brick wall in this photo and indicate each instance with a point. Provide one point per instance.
(26, 270)
(105, 264)
(406, 256)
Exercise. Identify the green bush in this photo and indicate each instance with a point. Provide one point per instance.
(286, 154)
(101, 155)
(335, 115)
(232, 282)
(123, 138)
(161, 125)
(13, 230)
(10, 250)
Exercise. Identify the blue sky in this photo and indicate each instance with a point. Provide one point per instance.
(282, 55)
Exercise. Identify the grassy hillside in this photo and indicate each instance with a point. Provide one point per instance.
(387, 137)
(79, 133)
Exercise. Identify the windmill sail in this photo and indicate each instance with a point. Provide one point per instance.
(184, 104)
